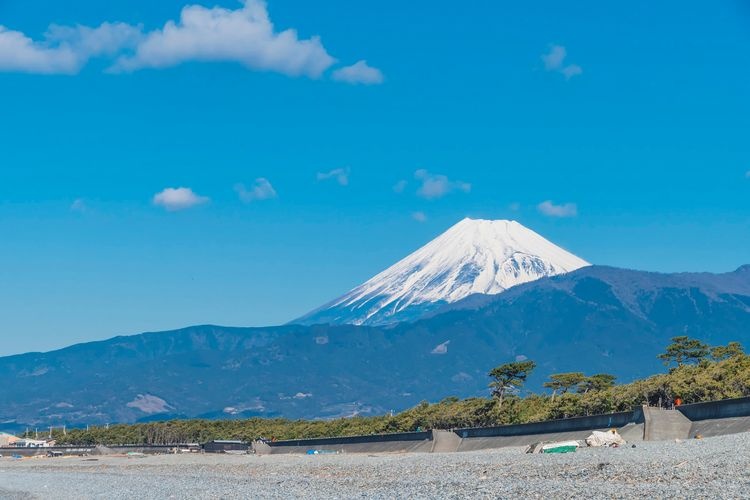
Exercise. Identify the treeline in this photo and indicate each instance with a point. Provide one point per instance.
(696, 373)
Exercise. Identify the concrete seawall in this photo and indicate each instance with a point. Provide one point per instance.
(664, 424)
(414, 442)
(629, 424)
(707, 419)
(716, 418)
(726, 408)
(86, 450)
(605, 421)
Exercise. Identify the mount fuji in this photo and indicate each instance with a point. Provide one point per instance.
(472, 257)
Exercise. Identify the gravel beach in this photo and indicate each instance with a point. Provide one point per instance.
(708, 468)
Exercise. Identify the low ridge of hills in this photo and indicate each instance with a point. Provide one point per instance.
(595, 319)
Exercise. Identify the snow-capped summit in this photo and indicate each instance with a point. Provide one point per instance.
(474, 256)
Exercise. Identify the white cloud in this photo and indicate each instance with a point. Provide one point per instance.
(78, 205)
(554, 60)
(400, 186)
(747, 174)
(564, 210)
(20, 53)
(64, 50)
(515, 206)
(174, 199)
(245, 35)
(359, 72)
(340, 174)
(106, 40)
(419, 216)
(260, 190)
(436, 185)
(571, 70)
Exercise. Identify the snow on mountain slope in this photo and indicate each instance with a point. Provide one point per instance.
(474, 256)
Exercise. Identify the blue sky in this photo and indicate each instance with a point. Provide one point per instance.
(312, 159)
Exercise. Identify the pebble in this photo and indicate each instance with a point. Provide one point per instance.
(717, 467)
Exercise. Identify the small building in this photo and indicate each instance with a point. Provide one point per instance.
(33, 443)
(225, 445)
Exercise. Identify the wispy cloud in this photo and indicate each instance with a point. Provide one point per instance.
(63, 50)
(563, 210)
(437, 185)
(78, 205)
(747, 174)
(260, 190)
(181, 198)
(515, 206)
(245, 35)
(341, 175)
(571, 70)
(554, 60)
(400, 186)
(359, 72)
(419, 216)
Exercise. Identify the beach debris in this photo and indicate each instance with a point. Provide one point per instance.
(553, 447)
(610, 438)
(560, 447)
(534, 447)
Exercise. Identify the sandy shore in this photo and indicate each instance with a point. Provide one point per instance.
(708, 468)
